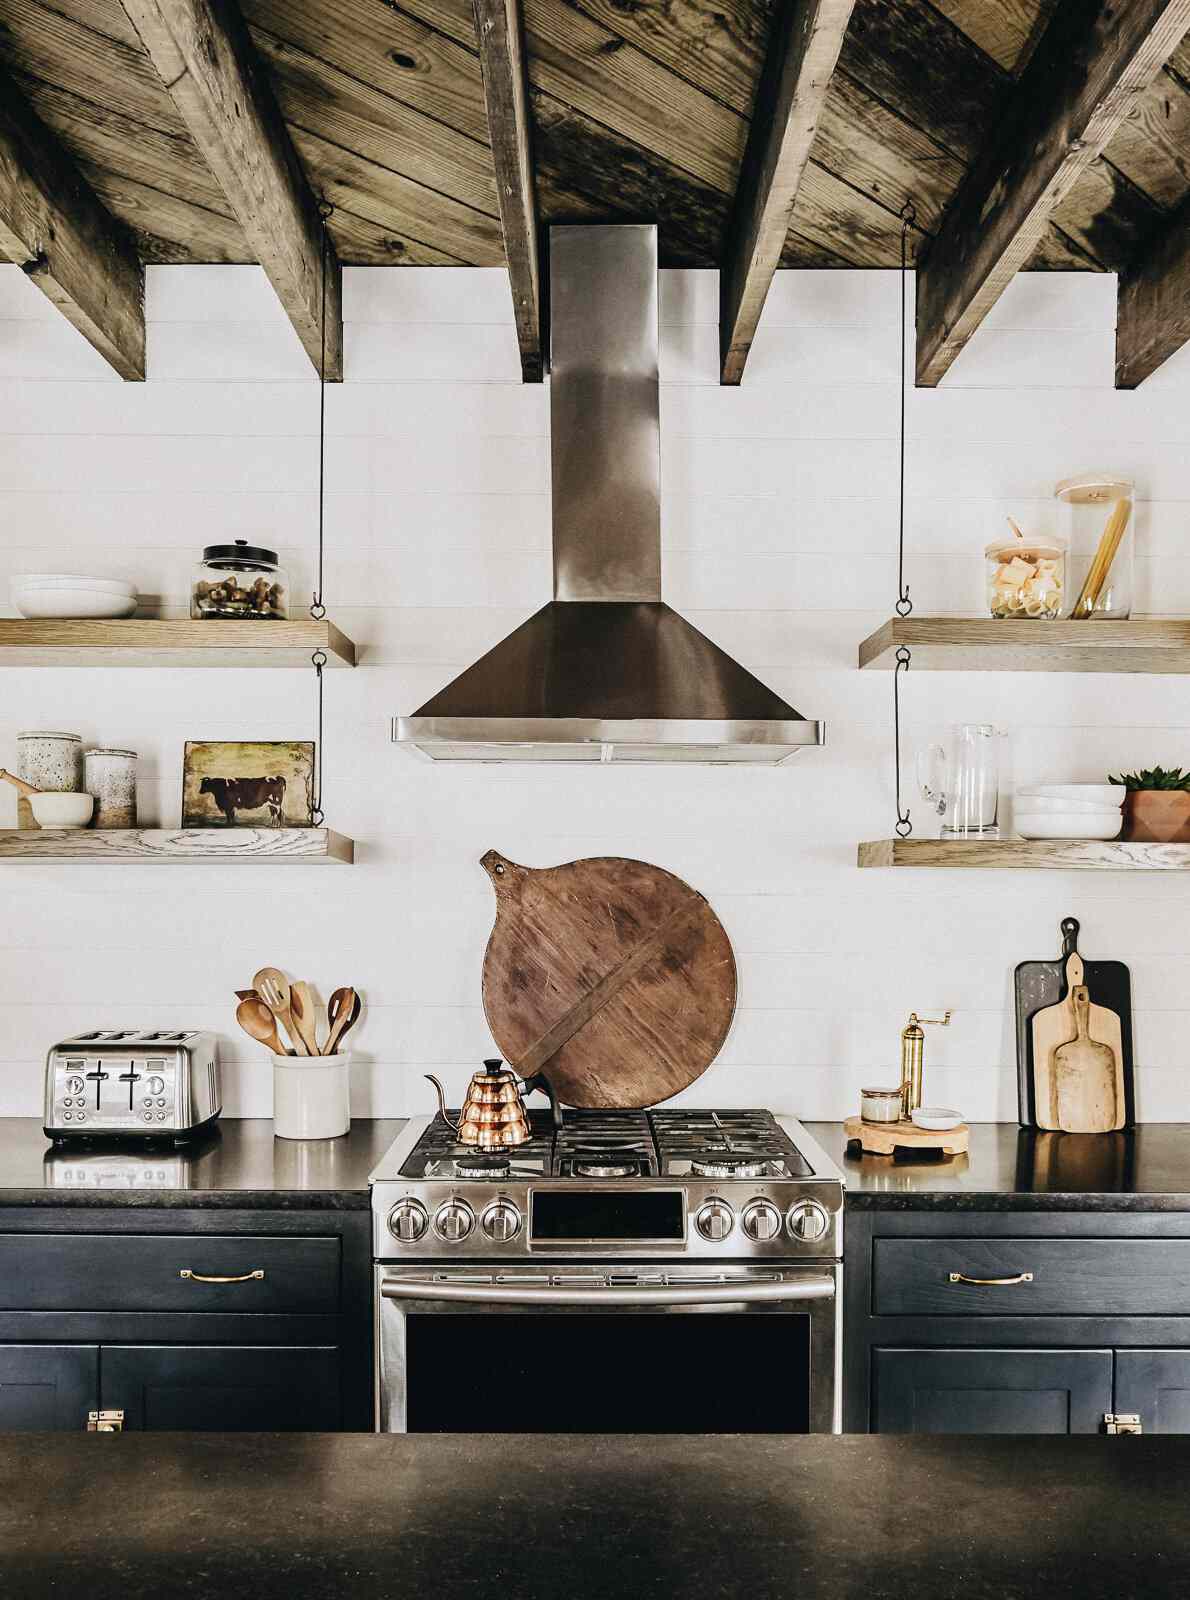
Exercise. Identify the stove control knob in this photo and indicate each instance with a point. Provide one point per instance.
(501, 1221)
(407, 1221)
(454, 1221)
(761, 1221)
(715, 1220)
(807, 1220)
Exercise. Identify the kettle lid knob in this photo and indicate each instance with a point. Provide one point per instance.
(493, 1063)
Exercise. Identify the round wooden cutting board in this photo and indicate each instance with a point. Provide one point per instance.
(611, 978)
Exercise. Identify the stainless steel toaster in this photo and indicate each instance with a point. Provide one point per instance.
(121, 1083)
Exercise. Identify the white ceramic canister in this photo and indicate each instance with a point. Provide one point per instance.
(110, 775)
(49, 761)
(311, 1096)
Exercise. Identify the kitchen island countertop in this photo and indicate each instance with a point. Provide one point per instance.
(270, 1516)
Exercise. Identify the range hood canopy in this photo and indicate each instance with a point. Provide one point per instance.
(606, 671)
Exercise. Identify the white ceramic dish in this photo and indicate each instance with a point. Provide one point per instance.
(62, 810)
(70, 580)
(72, 604)
(936, 1118)
(1094, 794)
(1068, 825)
(1041, 803)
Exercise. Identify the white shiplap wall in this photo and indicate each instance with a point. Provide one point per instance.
(780, 530)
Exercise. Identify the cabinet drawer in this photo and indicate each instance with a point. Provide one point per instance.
(1069, 1277)
(112, 1272)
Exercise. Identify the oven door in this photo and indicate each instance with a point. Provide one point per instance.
(593, 1349)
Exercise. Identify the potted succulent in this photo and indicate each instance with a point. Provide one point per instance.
(1157, 805)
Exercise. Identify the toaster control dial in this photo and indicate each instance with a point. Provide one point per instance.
(761, 1221)
(501, 1221)
(715, 1220)
(74, 1086)
(454, 1221)
(807, 1220)
(155, 1085)
(407, 1221)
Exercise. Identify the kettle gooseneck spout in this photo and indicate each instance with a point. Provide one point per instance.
(429, 1076)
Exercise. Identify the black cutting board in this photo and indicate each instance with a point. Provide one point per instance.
(1043, 983)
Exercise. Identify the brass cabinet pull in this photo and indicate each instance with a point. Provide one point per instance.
(203, 1277)
(999, 1283)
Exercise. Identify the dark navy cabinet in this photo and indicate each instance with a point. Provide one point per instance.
(47, 1387)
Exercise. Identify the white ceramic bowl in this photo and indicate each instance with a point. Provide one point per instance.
(936, 1118)
(1068, 824)
(70, 580)
(1041, 803)
(68, 604)
(1095, 794)
(62, 810)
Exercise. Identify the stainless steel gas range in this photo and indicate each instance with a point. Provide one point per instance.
(661, 1271)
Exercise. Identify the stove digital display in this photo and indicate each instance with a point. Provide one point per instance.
(642, 1216)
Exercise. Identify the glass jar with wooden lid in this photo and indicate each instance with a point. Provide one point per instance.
(1099, 515)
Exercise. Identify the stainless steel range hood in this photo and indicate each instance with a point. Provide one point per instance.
(606, 671)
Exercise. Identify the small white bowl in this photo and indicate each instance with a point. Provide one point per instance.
(1093, 794)
(70, 580)
(1041, 803)
(1068, 824)
(62, 810)
(72, 604)
(936, 1118)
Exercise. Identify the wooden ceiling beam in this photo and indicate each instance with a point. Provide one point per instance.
(500, 33)
(1153, 303)
(205, 58)
(807, 37)
(1092, 65)
(54, 226)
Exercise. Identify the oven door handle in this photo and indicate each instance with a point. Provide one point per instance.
(642, 1295)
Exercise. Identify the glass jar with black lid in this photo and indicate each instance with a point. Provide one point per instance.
(239, 581)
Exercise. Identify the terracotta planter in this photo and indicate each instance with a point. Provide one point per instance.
(1158, 816)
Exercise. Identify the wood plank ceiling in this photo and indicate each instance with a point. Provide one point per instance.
(637, 110)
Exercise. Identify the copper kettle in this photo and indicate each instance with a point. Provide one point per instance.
(493, 1115)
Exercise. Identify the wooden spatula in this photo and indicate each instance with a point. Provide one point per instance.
(1087, 1075)
(301, 1004)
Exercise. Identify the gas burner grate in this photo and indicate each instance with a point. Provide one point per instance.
(604, 1144)
(726, 1144)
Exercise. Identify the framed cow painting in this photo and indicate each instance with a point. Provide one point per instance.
(248, 784)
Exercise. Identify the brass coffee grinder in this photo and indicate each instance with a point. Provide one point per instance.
(887, 1124)
(913, 1051)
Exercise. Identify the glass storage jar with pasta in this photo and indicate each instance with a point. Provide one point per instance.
(1099, 515)
(1026, 577)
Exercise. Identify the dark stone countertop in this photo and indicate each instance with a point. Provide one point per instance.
(241, 1166)
(1020, 1169)
(272, 1516)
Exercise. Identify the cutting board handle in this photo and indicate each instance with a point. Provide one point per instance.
(1069, 926)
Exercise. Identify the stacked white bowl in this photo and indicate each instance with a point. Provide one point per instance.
(47, 595)
(1069, 810)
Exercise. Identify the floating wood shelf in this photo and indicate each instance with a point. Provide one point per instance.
(199, 846)
(1064, 855)
(147, 642)
(988, 644)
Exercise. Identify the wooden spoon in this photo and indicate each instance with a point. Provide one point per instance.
(342, 1012)
(301, 1003)
(273, 988)
(18, 783)
(258, 1023)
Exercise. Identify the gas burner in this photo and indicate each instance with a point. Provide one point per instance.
(725, 1166)
(482, 1166)
(606, 1167)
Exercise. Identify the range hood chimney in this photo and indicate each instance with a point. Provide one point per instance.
(606, 671)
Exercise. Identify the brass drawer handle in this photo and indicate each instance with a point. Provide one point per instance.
(203, 1277)
(998, 1283)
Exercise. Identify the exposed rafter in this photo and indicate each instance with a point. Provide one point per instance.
(807, 36)
(1093, 63)
(1153, 303)
(204, 57)
(54, 226)
(500, 35)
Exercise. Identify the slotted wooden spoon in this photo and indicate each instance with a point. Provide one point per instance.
(273, 988)
(342, 1012)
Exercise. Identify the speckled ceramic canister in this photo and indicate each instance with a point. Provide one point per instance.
(49, 761)
(110, 775)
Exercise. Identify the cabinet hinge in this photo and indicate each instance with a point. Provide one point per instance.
(105, 1422)
(1122, 1422)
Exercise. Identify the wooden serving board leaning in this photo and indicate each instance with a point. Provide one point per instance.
(610, 978)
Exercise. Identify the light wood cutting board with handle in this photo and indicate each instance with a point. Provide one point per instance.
(1078, 1062)
(610, 978)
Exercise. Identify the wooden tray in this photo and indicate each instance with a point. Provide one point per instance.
(886, 1138)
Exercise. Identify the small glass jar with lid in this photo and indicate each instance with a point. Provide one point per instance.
(1026, 577)
(1100, 517)
(240, 581)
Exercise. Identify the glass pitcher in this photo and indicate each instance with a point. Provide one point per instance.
(961, 780)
